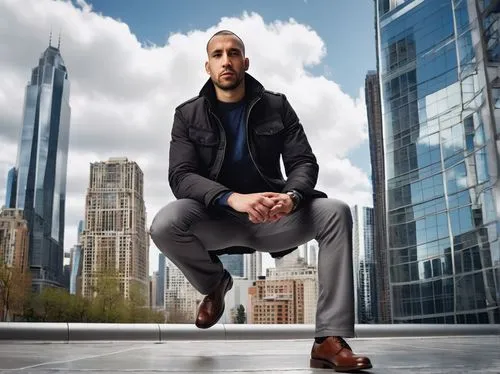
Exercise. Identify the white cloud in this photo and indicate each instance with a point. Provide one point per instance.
(123, 94)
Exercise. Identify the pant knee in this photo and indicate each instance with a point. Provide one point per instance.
(175, 218)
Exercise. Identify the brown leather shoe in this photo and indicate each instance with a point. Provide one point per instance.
(212, 306)
(335, 353)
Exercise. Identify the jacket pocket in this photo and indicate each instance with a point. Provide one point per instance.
(269, 127)
(203, 136)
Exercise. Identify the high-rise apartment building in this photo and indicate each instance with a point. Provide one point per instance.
(439, 76)
(288, 294)
(114, 240)
(282, 301)
(375, 133)
(14, 239)
(39, 178)
(181, 298)
(364, 264)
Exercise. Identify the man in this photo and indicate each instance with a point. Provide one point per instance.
(232, 198)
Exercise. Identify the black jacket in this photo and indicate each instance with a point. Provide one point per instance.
(198, 145)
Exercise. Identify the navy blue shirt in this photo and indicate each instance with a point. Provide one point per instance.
(238, 171)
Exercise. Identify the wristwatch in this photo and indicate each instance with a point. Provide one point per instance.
(295, 198)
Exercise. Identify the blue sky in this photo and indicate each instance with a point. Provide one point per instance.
(346, 27)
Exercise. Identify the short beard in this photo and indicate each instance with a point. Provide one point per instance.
(230, 87)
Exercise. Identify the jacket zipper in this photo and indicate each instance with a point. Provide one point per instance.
(252, 104)
(223, 136)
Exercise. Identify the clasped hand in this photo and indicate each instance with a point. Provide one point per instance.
(263, 206)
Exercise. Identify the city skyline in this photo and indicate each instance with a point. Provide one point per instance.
(122, 103)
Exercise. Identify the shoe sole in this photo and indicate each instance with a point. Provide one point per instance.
(228, 287)
(324, 364)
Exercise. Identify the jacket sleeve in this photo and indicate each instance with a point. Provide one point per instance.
(184, 175)
(299, 160)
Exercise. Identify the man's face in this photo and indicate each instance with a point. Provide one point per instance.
(226, 63)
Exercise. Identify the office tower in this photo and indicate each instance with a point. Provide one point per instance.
(10, 192)
(76, 262)
(439, 78)
(234, 264)
(14, 239)
(114, 241)
(253, 265)
(160, 288)
(39, 178)
(375, 132)
(313, 253)
(364, 264)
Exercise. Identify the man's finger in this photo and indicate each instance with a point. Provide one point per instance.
(262, 209)
(270, 194)
(277, 208)
(258, 216)
(268, 202)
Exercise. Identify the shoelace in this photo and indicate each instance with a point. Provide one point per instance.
(343, 343)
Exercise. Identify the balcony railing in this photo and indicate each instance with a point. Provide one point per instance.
(69, 332)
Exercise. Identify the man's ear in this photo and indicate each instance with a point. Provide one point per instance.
(247, 63)
(207, 67)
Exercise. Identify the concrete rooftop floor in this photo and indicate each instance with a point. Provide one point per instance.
(444, 354)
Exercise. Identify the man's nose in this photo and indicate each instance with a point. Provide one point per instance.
(225, 60)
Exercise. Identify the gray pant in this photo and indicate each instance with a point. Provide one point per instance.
(185, 231)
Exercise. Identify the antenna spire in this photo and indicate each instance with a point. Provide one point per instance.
(59, 41)
(50, 37)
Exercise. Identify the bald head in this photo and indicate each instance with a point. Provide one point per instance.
(227, 33)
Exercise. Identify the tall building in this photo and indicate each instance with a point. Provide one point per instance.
(39, 178)
(375, 132)
(440, 87)
(313, 249)
(14, 239)
(253, 265)
(234, 264)
(160, 288)
(181, 298)
(305, 281)
(281, 301)
(114, 240)
(153, 289)
(364, 264)
(10, 192)
(76, 263)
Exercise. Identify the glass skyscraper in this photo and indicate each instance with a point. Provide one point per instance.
(10, 193)
(364, 264)
(439, 79)
(41, 166)
(374, 116)
(234, 264)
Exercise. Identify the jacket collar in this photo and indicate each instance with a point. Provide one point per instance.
(253, 89)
